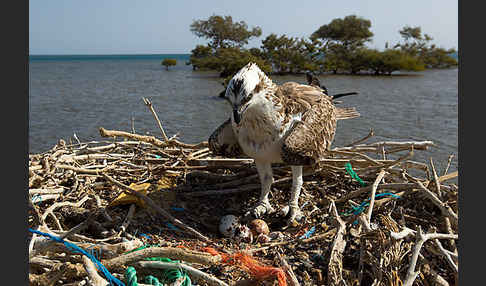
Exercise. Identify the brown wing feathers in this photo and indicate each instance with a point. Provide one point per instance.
(223, 141)
(308, 139)
(311, 138)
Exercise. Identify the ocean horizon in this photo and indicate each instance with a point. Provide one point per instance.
(81, 57)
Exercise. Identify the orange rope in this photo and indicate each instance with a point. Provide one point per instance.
(251, 265)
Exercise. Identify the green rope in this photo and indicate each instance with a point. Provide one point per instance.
(152, 280)
(353, 174)
(168, 275)
(131, 276)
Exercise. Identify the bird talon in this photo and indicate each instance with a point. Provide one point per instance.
(295, 216)
(261, 209)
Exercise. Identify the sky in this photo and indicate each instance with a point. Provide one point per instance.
(163, 26)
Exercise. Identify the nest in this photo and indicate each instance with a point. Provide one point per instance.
(115, 196)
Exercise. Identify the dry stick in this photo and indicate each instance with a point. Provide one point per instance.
(335, 266)
(370, 134)
(402, 234)
(46, 191)
(106, 251)
(449, 160)
(169, 252)
(31, 243)
(133, 124)
(447, 255)
(79, 227)
(446, 210)
(395, 186)
(214, 176)
(391, 186)
(421, 238)
(94, 277)
(149, 105)
(287, 268)
(436, 179)
(42, 262)
(102, 209)
(153, 205)
(448, 176)
(83, 170)
(194, 154)
(362, 249)
(373, 192)
(95, 156)
(398, 146)
(241, 189)
(44, 198)
(150, 139)
(45, 245)
(297, 241)
(395, 162)
(128, 219)
(195, 273)
(350, 153)
(61, 204)
(237, 182)
(434, 276)
(452, 243)
(362, 218)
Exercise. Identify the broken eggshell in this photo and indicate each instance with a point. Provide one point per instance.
(243, 234)
(228, 225)
(262, 238)
(276, 235)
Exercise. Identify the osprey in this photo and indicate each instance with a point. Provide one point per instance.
(290, 123)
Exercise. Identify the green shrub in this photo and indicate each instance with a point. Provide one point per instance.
(169, 62)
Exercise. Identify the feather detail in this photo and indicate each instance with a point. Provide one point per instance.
(346, 113)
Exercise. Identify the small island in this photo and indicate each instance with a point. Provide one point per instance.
(169, 62)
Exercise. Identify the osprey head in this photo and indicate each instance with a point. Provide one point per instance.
(247, 82)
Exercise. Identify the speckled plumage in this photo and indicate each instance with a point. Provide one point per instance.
(290, 123)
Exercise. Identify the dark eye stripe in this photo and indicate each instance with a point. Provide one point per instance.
(236, 87)
(246, 99)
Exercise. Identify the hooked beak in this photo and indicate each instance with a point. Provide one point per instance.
(236, 115)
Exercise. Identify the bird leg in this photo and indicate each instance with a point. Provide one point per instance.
(266, 179)
(294, 210)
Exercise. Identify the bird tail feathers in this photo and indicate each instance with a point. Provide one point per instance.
(346, 113)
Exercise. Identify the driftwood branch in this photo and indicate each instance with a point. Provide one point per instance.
(148, 103)
(94, 278)
(335, 266)
(373, 192)
(288, 269)
(446, 210)
(421, 238)
(170, 252)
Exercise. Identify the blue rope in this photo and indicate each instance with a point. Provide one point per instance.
(359, 209)
(308, 233)
(73, 247)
